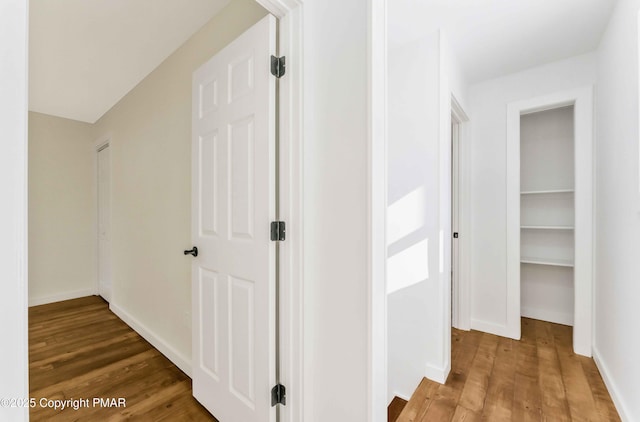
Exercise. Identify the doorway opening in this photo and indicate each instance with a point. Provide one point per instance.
(103, 153)
(550, 213)
(459, 185)
(547, 215)
(455, 271)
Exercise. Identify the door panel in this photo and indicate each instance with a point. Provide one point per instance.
(208, 150)
(241, 162)
(234, 196)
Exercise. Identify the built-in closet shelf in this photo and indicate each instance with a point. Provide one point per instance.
(547, 261)
(543, 192)
(546, 227)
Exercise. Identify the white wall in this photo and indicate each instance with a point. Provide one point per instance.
(422, 75)
(413, 279)
(487, 108)
(617, 345)
(452, 73)
(150, 145)
(336, 279)
(13, 212)
(62, 210)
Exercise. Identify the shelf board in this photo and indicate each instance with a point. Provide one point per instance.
(547, 227)
(547, 261)
(541, 192)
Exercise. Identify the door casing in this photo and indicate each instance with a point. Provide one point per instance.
(98, 144)
(102, 288)
(582, 100)
(290, 157)
(460, 315)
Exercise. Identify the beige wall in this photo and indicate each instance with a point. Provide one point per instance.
(62, 241)
(150, 130)
(151, 187)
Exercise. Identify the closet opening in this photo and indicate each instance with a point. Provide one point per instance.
(547, 215)
(550, 211)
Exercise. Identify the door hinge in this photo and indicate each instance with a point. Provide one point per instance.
(278, 395)
(455, 235)
(277, 66)
(277, 230)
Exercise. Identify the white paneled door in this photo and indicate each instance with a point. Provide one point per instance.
(233, 203)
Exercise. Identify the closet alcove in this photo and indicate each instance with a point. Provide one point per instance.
(550, 213)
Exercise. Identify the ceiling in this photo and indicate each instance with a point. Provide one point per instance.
(86, 55)
(492, 38)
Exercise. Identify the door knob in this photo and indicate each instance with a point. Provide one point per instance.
(193, 251)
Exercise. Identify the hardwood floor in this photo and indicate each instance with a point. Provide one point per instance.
(492, 378)
(395, 408)
(78, 349)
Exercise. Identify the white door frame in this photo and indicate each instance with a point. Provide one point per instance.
(100, 144)
(461, 315)
(290, 16)
(14, 77)
(377, 207)
(291, 144)
(582, 100)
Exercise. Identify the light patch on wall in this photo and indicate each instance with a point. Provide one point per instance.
(406, 215)
(441, 245)
(408, 267)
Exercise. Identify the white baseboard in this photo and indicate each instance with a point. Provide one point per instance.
(400, 396)
(490, 327)
(172, 354)
(437, 374)
(611, 386)
(59, 297)
(563, 318)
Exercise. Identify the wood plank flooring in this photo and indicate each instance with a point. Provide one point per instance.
(492, 378)
(79, 349)
(395, 408)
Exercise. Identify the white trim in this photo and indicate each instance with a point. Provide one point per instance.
(291, 145)
(279, 8)
(444, 214)
(465, 241)
(461, 305)
(436, 373)
(101, 143)
(400, 396)
(14, 269)
(489, 327)
(612, 388)
(584, 197)
(455, 220)
(377, 211)
(181, 361)
(59, 297)
(582, 100)
(512, 297)
(457, 111)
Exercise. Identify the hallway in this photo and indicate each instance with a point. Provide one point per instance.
(78, 349)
